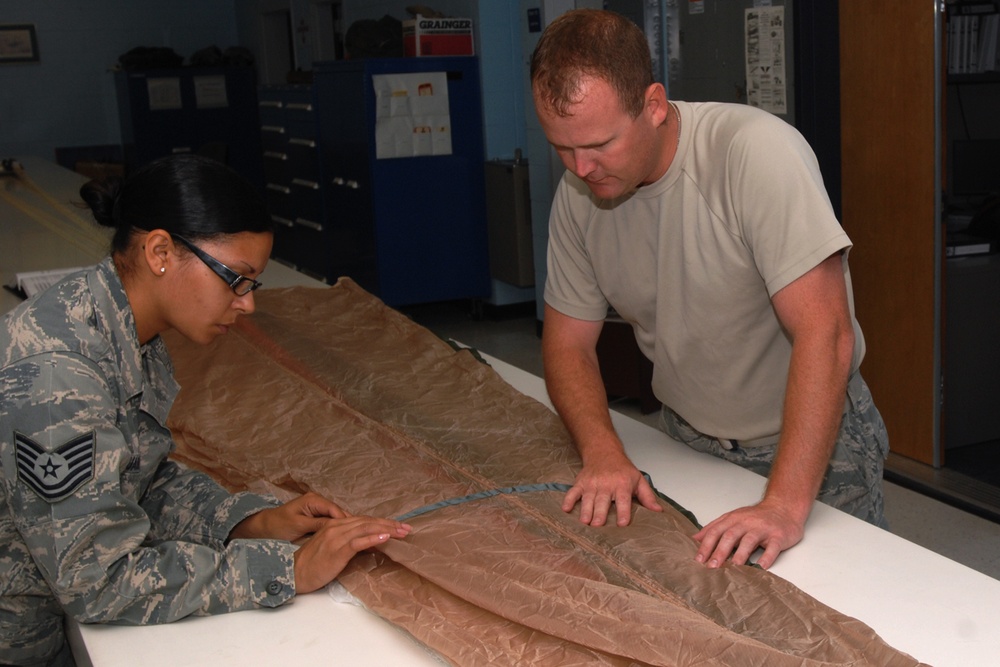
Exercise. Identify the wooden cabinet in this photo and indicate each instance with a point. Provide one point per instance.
(626, 371)
(890, 136)
(894, 145)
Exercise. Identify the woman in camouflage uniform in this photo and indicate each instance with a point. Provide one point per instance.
(95, 522)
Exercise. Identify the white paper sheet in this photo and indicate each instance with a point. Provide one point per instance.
(164, 93)
(210, 92)
(33, 282)
(412, 116)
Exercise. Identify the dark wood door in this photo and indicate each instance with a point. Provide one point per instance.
(889, 121)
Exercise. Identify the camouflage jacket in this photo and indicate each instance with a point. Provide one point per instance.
(95, 522)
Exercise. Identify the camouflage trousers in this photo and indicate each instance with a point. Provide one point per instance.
(853, 480)
(64, 658)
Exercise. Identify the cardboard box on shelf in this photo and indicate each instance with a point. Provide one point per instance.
(438, 37)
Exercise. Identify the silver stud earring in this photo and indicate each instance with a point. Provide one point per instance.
(163, 269)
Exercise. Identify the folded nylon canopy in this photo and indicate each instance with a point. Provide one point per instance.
(329, 390)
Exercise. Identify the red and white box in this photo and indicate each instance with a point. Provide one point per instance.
(438, 37)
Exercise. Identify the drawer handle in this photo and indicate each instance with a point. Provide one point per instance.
(284, 222)
(303, 142)
(275, 155)
(300, 106)
(283, 189)
(309, 223)
(346, 182)
(270, 104)
(272, 128)
(306, 184)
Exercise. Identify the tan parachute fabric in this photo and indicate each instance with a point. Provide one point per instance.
(329, 390)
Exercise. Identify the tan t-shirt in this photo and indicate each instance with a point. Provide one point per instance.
(693, 259)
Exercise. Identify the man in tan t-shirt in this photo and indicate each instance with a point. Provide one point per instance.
(706, 226)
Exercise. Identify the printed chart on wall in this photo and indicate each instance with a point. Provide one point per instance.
(412, 117)
(765, 58)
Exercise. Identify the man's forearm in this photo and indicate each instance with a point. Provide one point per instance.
(573, 380)
(814, 401)
(577, 391)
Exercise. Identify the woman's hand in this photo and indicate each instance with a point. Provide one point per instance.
(328, 551)
(330, 536)
(292, 521)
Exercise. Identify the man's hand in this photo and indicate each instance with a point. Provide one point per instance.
(739, 533)
(612, 480)
(573, 380)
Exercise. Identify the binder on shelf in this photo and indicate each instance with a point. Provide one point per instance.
(973, 32)
(961, 244)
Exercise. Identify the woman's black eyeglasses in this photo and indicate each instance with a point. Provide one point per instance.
(239, 284)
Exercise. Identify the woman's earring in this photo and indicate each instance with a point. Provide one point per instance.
(163, 269)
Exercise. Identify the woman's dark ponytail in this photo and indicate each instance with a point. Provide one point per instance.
(189, 195)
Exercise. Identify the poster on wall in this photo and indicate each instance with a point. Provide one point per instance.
(412, 117)
(765, 59)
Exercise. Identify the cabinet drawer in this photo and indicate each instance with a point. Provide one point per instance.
(299, 109)
(279, 200)
(305, 129)
(303, 159)
(311, 247)
(271, 111)
(275, 166)
(274, 136)
(307, 201)
(284, 240)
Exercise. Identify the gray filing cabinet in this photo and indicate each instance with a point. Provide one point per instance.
(508, 218)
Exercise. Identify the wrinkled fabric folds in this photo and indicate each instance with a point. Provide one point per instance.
(331, 391)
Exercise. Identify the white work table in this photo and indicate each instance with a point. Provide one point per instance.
(935, 609)
(35, 235)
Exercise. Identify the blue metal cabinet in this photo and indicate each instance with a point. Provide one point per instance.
(408, 229)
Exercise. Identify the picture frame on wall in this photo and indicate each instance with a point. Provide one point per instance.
(18, 43)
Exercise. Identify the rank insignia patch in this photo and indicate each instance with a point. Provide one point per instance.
(57, 474)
